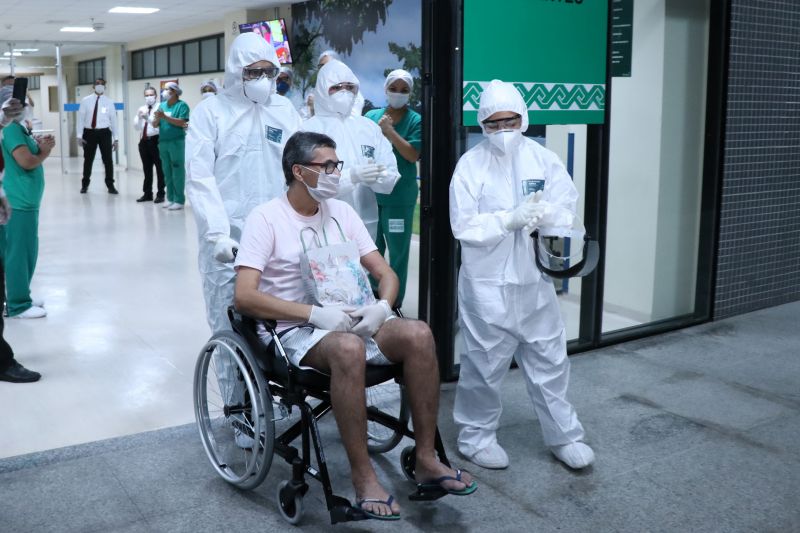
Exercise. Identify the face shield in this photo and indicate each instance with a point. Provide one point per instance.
(565, 250)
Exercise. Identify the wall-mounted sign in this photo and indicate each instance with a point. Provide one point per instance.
(621, 37)
(553, 51)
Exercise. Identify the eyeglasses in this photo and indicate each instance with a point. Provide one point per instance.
(328, 166)
(503, 123)
(352, 87)
(255, 73)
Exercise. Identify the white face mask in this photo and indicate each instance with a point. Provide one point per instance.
(99, 89)
(150, 100)
(397, 100)
(327, 186)
(505, 140)
(258, 90)
(208, 95)
(165, 94)
(342, 102)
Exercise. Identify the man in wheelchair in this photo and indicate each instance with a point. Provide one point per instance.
(340, 340)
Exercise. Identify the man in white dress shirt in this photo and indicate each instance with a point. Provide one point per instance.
(148, 148)
(97, 125)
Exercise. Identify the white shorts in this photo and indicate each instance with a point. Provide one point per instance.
(298, 341)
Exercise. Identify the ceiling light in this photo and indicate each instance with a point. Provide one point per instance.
(134, 10)
(26, 49)
(16, 54)
(83, 29)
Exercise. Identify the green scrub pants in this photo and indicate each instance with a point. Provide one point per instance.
(19, 242)
(394, 232)
(172, 163)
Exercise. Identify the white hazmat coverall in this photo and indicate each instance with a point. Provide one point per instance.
(359, 141)
(506, 308)
(233, 164)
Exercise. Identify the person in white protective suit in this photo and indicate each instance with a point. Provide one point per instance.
(233, 162)
(369, 163)
(358, 105)
(502, 189)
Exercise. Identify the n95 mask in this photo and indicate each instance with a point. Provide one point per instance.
(342, 102)
(258, 90)
(505, 140)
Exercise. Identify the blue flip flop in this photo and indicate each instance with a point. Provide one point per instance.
(436, 485)
(376, 516)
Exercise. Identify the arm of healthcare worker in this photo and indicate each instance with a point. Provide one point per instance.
(559, 192)
(384, 156)
(28, 160)
(112, 116)
(468, 224)
(408, 149)
(201, 182)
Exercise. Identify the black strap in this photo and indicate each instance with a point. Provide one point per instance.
(584, 267)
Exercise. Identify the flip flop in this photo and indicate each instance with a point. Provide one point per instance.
(436, 485)
(376, 516)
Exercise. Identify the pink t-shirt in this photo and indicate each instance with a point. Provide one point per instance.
(271, 244)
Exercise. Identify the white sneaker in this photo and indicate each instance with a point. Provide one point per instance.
(166, 205)
(493, 456)
(32, 312)
(575, 455)
(36, 302)
(175, 207)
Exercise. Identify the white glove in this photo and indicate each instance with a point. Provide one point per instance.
(5, 209)
(520, 217)
(224, 249)
(539, 211)
(11, 110)
(330, 318)
(372, 318)
(367, 174)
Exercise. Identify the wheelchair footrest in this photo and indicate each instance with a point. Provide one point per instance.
(342, 511)
(427, 494)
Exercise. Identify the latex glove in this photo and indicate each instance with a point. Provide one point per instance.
(372, 318)
(12, 109)
(224, 249)
(330, 318)
(520, 217)
(538, 212)
(366, 174)
(5, 210)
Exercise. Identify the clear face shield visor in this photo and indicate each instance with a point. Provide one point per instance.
(565, 251)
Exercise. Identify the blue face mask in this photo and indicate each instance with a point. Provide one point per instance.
(282, 87)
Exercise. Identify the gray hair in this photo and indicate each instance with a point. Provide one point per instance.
(300, 148)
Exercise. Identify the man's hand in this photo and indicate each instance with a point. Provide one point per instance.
(46, 144)
(386, 124)
(81, 142)
(330, 318)
(11, 110)
(372, 318)
(159, 113)
(5, 210)
(224, 249)
(115, 146)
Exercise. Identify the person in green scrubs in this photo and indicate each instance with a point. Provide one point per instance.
(402, 126)
(171, 119)
(23, 185)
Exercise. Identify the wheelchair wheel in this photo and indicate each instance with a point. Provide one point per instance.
(233, 409)
(408, 462)
(290, 503)
(390, 398)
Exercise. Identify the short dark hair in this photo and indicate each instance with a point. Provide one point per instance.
(100, 79)
(300, 149)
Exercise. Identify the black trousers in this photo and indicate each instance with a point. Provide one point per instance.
(93, 138)
(148, 151)
(6, 354)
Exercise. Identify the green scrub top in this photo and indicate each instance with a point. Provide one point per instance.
(168, 132)
(24, 188)
(409, 128)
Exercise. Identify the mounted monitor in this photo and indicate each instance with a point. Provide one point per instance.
(274, 32)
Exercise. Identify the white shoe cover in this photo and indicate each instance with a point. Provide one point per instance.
(175, 207)
(32, 312)
(167, 205)
(493, 456)
(575, 455)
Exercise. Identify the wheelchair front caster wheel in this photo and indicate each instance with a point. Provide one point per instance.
(408, 461)
(290, 503)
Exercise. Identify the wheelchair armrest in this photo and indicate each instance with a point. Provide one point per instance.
(247, 327)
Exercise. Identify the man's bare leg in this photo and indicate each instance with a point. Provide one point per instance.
(411, 342)
(343, 356)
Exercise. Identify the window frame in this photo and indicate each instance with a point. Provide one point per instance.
(167, 49)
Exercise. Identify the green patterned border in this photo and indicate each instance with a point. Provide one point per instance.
(545, 96)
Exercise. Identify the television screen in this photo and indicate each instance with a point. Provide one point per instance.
(274, 32)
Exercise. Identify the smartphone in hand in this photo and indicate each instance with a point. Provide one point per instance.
(21, 90)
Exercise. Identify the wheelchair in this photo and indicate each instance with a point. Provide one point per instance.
(240, 438)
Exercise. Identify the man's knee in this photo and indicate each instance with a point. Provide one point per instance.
(347, 354)
(418, 340)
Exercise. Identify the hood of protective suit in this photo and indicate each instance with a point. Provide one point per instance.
(502, 96)
(332, 73)
(246, 49)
